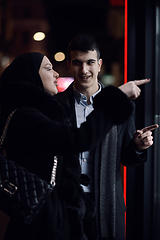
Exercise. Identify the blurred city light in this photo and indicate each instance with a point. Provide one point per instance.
(39, 36)
(59, 56)
(63, 83)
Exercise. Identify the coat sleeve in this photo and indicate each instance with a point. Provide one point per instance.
(32, 128)
(130, 156)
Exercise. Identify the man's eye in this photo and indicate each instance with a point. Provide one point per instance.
(90, 62)
(75, 63)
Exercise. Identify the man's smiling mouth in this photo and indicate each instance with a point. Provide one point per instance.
(85, 77)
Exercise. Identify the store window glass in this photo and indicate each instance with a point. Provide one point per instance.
(156, 221)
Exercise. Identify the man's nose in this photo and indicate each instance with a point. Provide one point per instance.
(84, 68)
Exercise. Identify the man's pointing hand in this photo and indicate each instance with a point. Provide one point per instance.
(131, 88)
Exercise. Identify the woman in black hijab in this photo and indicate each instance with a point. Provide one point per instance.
(39, 130)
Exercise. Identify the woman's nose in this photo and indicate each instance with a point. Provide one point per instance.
(56, 74)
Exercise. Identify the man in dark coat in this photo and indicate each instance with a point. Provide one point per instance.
(100, 168)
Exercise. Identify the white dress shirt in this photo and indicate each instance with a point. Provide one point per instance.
(82, 111)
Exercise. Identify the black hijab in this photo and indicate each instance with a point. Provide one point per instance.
(24, 68)
(21, 86)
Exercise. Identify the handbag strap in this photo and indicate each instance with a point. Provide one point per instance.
(53, 175)
(55, 160)
(6, 128)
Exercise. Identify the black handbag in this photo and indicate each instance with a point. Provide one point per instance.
(22, 193)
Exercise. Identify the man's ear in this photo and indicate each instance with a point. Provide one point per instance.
(100, 62)
(69, 66)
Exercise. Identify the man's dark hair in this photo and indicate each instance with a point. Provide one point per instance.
(83, 43)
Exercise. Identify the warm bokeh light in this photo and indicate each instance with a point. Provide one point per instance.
(39, 36)
(5, 61)
(59, 56)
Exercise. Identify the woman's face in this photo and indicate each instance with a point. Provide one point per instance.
(48, 76)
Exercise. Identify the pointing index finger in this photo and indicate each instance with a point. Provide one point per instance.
(150, 128)
(142, 81)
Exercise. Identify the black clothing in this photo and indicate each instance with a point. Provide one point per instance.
(41, 129)
(125, 154)
(24, 68)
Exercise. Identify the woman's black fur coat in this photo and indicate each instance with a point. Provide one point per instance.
(68, 193)
(38, 130)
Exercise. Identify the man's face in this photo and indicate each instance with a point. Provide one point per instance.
(84, 68)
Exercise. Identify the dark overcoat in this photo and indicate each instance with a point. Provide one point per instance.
(39, 130)
(126, 154)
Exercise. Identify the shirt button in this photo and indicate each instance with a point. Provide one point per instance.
(84, 160)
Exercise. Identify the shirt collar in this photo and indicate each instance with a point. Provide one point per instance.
(81, 97)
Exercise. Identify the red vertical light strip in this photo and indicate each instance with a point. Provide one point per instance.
(125, 81)
(125, 39)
